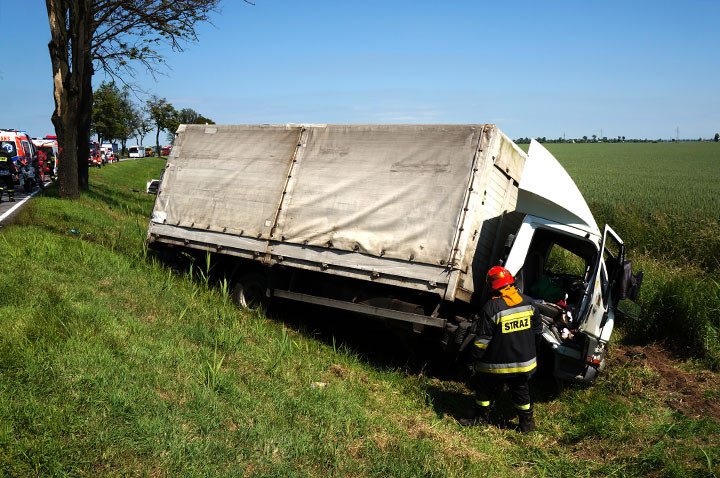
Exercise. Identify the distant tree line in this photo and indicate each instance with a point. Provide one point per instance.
(115, 117)
(620, 139)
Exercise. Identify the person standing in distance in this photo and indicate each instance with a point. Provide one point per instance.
(7, 169)
(504, 349)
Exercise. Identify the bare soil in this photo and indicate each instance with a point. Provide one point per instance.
(687, 391)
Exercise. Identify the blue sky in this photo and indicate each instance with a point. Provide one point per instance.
(636, 69)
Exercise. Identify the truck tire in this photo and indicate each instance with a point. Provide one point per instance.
(249, 291)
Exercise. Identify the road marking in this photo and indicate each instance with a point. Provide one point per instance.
(2, 218)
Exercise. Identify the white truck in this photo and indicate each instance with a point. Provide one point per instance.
(136, 152)
(400, 222)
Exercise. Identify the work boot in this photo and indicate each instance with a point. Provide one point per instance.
(527, 423)
(481, 419)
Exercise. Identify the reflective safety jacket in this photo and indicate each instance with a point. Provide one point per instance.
(505, 340)
(7, 166)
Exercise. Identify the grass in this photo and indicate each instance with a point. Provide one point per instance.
(111, 363)
(664, 197)
(664, 201)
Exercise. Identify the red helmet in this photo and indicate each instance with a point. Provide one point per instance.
(498, 277)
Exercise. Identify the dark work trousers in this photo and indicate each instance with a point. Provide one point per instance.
(488, 387)
(6, 183)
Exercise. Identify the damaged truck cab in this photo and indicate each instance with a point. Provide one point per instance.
(560, 256)
(398, 222)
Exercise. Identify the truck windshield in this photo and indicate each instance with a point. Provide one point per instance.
(558, 268)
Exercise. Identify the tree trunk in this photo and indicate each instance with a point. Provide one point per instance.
(65, 95)
(71, 58)
(86, 97)
(157, 142)
(67, 140)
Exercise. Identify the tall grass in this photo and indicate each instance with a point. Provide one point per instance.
(681, 306)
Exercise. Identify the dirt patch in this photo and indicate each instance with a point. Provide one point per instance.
(344, 373)
(687, 390)
(339, 371)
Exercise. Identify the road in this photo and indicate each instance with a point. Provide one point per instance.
(9, 209)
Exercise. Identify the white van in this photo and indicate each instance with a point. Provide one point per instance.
(136, 152)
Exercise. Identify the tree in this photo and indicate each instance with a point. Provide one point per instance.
(129, 117)
(185, 116)
(717, 137)
(162, 114)
(593, 137)
(143, 126)
(107, 112)
(108, 35)
(585, 139)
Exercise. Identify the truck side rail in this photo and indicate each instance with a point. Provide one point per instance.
(361, 308)
(411, 275)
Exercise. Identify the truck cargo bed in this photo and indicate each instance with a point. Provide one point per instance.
(405, 205)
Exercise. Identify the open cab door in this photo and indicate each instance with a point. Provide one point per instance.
(609, 284)
(613, 290)
(598, 306)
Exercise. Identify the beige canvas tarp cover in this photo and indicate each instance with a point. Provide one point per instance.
(395, 191)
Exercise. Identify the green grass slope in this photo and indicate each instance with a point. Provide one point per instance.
(111, 364)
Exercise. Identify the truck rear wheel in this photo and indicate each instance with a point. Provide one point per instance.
(249, 291)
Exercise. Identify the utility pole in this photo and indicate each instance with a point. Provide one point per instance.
(677, 134)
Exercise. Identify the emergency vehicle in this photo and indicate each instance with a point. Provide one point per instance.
(49, 148)
(94, 157)
(24, 147)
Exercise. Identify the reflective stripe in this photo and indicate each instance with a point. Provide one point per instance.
(512, 367)
(517, 315)
(481, 346)
(483, 403)
(512, 311)
(522, 407)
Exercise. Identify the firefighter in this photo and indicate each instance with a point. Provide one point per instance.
(7, 169)
(51, 165)
(50, 161)
(504, 349)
